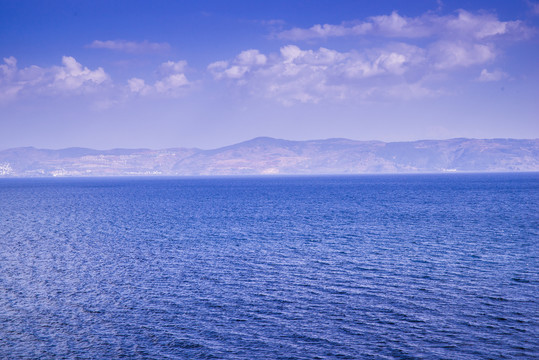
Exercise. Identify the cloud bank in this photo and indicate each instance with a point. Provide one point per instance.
(404, 56)
(399, 58)
(462, 24)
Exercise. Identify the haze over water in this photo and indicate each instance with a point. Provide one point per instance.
(415, 266)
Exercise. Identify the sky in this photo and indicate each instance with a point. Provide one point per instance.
(161, 74)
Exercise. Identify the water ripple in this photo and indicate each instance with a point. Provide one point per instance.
(382, 267)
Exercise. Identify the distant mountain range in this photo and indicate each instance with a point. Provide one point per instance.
(265, 155)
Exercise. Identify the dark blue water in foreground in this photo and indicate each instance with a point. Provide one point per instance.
(416, 266)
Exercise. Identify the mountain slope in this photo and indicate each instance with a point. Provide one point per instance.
(274, 156)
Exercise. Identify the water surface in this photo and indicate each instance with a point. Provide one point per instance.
(400, 266)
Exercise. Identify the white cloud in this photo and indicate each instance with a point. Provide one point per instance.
(310, 76)
(171, 67)
(326, 31)
(463, 24)
(448, 54)
(482, 26)
(394, 25)
(394, 70)
(130, 46)
(9, 86)
(293, 54)
(431, 47)
(9, 67)
(237, 68)
(495, 75)
(139, 86)
(251, 57)
(430, 44)
(173, 83)
(72, 75)
(217, 68)
(70, 78)
(395, 60)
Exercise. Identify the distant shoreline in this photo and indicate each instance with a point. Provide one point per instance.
(268, 156)
(262, 176)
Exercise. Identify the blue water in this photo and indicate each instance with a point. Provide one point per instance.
(381, 267)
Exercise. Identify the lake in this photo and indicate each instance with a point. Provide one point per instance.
(346, 267)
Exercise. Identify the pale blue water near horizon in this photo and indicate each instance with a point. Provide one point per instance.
(349, 267)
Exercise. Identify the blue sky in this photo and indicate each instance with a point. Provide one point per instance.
(157, 74)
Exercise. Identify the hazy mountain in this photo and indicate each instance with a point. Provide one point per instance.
(274, 156)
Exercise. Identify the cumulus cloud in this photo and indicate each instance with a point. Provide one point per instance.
(69, 78)
(460, 39)
(73, 78)
(394, 25)
(411, 57)
(173, 82)
(9, 85)
(72, 75)
(130, 46)
(138, 86)
(309, 76)
(460, 24)
(243, 63)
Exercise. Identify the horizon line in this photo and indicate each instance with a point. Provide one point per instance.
(259, 138)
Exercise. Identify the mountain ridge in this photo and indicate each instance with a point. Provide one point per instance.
(266, 155)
